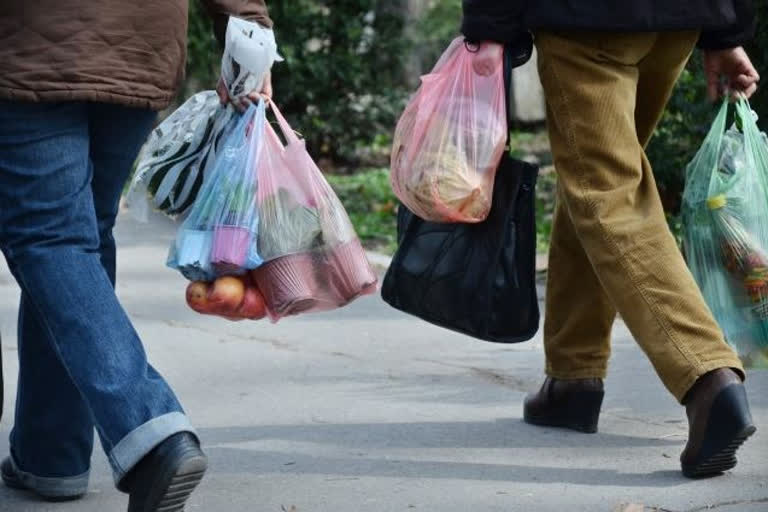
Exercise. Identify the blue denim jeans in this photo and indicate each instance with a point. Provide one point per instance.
(81, 363)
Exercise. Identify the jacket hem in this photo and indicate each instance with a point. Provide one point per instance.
(66, 95)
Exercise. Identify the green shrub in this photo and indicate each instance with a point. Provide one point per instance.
(371, 205)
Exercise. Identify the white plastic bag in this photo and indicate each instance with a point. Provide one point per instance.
(171, 165)
(249, 54)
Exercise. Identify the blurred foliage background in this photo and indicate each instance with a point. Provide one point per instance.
(351, 65)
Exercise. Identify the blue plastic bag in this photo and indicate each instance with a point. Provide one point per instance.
(219, 236)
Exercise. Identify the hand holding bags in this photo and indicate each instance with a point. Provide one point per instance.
(181, 150)
(270, 230)
(249, 53)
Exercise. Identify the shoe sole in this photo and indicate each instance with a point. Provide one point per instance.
(729, 426)
(176, 487)
(722, 460)
(560, 423)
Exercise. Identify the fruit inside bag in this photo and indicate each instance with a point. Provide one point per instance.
(725, 216)
(172, 163)
(313, 260)
(231, 297)
(450, 138)
(218, 237)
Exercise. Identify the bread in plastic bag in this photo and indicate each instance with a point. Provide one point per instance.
(725, 215)
(218, 237)
(450, 139)
(313, 259)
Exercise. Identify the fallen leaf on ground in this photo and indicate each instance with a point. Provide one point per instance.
(630, 507)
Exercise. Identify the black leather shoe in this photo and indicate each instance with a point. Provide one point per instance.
(719, 422)
(164, 479)
(48, 489)
(572, 404)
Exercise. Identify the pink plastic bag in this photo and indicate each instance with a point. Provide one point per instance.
(450, 138)
(313, 260)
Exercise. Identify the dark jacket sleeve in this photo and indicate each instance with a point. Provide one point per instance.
(220, 10)
(493, 20)
(736, 35)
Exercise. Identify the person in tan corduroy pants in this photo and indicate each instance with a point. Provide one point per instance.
(611, 247)
(612, 251)
(608, 70)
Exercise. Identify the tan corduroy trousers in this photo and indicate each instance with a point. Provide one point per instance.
(611, 249)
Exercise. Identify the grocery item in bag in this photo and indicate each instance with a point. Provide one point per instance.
(172, 163)
(231, 297)
(218, 237)
(450, 138)
(725, 215)
(313, 260)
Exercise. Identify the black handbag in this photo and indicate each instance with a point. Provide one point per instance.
(477, 279)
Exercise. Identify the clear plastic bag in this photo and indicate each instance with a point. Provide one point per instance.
(450, 138)
(218, 237)
(249, 53)
(171, 167)
(313, 260)
(725, 216)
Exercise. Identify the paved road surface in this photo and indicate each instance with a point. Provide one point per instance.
(368, 410)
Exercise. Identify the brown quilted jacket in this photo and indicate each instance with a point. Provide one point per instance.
(111, 51)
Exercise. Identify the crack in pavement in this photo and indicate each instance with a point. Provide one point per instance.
(643, 421)
(495, 376)
(229, 336)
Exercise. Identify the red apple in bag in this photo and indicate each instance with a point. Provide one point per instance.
(233, 298)
(226, 295)
(197, 296)
(253, 306)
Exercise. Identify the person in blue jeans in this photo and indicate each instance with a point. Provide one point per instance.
(78, 97)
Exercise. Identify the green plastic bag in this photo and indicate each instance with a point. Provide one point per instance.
(725, 219)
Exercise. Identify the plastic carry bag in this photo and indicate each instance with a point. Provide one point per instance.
(725, 215)
(313, 260)
(449, 140)
(172, 164)
(218, 237)
(249, 53)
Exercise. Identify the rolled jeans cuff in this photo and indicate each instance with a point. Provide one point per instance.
(140, 441)
(52, 487)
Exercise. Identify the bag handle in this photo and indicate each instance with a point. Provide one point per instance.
(756, 147)
(288, 133)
